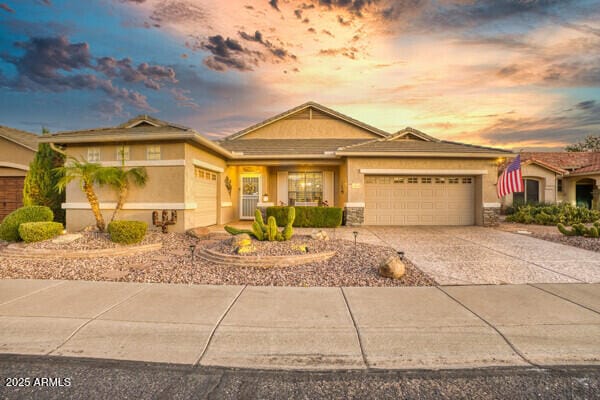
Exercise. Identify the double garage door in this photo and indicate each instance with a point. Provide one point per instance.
(11, 194)
(419, 200)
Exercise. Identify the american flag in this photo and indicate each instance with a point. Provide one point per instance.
(511, 179)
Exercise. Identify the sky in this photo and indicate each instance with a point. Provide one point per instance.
(521, 74)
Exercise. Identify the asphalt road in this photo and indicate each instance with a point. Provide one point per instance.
(94, 379)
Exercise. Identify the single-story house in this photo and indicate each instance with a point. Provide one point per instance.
(556, 177)
(17, 149)
(307, 156)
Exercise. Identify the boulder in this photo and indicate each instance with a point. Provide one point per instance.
(392, 267)
(319, 235)
(199, 233)
(67, 238)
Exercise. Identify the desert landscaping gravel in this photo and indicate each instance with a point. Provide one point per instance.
(351, 266)
(89, 241)
(551, 234)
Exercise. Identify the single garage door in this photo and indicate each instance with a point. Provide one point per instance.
(205, 190)
(419, 200)
(11, 194)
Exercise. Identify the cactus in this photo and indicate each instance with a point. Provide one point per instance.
(259, 218)
(272, 229)
(234, 231)
(257, 231)
(580, 230)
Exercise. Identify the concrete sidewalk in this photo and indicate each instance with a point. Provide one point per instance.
(304, 328)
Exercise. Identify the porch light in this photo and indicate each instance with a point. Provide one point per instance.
(265, 198)
(192, 250)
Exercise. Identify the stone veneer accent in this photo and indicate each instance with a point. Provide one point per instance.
(355, 216)
(230, 260)
(491, 216)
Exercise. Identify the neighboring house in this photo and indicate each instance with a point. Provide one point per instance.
(17, 149)
(309, 155)
(556, 177)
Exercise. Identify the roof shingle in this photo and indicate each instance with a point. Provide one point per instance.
(26, 139)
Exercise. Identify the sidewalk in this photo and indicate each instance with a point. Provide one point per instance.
(304, 328)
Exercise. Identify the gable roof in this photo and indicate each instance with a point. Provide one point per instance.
(22, 138)
(140, 128)
(426, 144)
(564, 162)
(304, 106)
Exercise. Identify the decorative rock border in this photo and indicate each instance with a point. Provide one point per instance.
(16, 250)
(262, 261)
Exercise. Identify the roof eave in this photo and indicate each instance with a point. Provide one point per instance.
(426, 154)
(282, 156)
(17, 142)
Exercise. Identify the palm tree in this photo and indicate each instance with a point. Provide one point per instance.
(88, 174)
(121, 179)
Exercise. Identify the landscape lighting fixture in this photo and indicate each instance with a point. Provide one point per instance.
(192, 249)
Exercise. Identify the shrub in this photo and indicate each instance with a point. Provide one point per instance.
(309, 217)
(38, 231)
(581, 230)
(553, 214)
(9, 229)
(127, 232)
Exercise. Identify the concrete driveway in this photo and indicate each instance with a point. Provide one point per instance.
(478, 255)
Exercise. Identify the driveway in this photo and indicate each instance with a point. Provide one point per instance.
(478, 255)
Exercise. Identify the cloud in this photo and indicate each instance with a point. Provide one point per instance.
(278, 52)
(177, 12)
(6, 8)
(349, 52)
(56, 65)
(149, 75)
(353, 6)
(585, 105)
(274, 4)
(227, 53)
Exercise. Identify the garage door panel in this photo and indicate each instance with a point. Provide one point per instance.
(429, 201)
(11, 194)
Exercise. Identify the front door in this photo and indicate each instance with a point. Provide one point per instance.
(250, 195)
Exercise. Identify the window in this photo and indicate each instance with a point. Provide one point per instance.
(440, 180)
(204, 174)
(153, 153)
(425, 180)
(531, 193)
(398, 179)
(467, 180)
(93, 154)
(305, 187)
(452, 180)
(122, 153)
(370, 179)
(559, 185)
(413, 179)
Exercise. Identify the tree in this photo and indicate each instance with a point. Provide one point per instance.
(590, 143)
(88, 174)
(40, 183)
(121, 179)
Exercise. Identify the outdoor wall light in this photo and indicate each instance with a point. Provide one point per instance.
(192, 250)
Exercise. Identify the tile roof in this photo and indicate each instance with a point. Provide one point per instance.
(268, 147)
(571, 162)
(417, 146)
(317, 106)
(26, 139)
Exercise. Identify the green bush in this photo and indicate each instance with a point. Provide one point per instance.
(541, 214)
(127, 232)
(581, 230)
(38, 231)
(308, 217)
(9, 229)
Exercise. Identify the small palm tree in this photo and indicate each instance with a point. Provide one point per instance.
(88, 174)
(121, 179)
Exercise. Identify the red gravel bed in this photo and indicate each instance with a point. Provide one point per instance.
(351, 266)
(551, 234)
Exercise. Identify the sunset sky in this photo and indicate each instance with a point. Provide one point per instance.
(516, 74)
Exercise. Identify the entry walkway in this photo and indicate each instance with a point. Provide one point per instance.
(304, 328)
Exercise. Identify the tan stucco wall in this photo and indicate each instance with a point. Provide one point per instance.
(488, 181)
(13, 153)
(547, 180)
(304, 129)
(165, 185)
(342, 186)
(569, 188)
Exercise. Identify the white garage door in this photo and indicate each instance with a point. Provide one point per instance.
(205, 194)
(419, 200)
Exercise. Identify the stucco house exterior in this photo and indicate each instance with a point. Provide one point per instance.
(310, 155)
(557, 177)
(17, 149)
